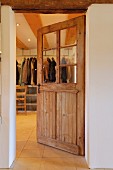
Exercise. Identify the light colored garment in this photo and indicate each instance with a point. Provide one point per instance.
(24, 73)
(32, 72)
(21, 71)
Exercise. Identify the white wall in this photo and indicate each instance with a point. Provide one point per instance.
(99, 86)
(0, 37)
(8, 70)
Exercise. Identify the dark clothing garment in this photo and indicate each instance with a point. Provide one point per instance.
(17, 73)
(49, 71)
(35, 71)
(24, 72)
(53, 71)
(29, 71)
(64, 71)
(64, 75)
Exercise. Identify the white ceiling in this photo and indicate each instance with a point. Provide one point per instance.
(24, 31)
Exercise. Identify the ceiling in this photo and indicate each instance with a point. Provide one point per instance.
(29, 23)
(34, 14)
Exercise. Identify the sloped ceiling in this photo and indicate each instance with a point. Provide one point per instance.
(29, 23)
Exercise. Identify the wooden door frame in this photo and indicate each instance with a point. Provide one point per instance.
(62, 12)
(47, 6)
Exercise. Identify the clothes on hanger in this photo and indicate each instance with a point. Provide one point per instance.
(17, 73)
(53, 71)
(64, 71)
(28, 72)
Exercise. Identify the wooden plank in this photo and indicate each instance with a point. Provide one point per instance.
(61, 86)
(59, 116)
(47, 6)
(70, 16)
(54, 116)
(20, 44)
(35, 23)
(74, 119)
(67, 135)
(60, 145)
(63, 116)
(48, 114)
(58, 91)
(44, 114)
(49, 11)
(81, 86)
(58, 57)
(60, 26)
(39, 115)
(51, 114)
(70, 117)
(39, 58)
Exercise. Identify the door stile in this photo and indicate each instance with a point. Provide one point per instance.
(39, 61)
(81, 86)
(58, 57)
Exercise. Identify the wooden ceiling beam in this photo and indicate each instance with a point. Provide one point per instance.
(35, 23)
(50, 11)
(49, 6)
(20, 44)
(71, 32)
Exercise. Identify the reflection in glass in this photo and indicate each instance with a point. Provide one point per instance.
(49, 66)
(68, 74)
(69, 54)
(68, 36)
(49, 40)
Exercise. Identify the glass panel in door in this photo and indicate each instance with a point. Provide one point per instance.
(49, 57)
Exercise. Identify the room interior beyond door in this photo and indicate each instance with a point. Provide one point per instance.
(60, 97)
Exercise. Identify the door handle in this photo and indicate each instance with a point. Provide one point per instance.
(38, 87)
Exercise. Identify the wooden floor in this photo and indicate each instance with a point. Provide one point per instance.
(33, 156)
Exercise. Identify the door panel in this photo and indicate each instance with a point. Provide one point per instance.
(60, 101)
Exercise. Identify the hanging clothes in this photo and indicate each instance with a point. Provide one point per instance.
(49, 71)
(24, 73)
(64, 71)
(17, 73)
(53, 71)
(32, 72)
(29, 71)
(45, 70)
(21, 71)
(35, 71)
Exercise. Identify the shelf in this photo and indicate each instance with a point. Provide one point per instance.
(21, 98)
(31, 104)
(31, 95)
(31, 99)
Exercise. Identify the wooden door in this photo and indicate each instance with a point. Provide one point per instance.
(60, 97)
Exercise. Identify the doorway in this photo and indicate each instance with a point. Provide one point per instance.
(68, 86)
